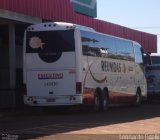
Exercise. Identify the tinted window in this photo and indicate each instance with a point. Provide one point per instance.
(50, 44)
(155, 59)
(97, 45)
(89, 44)
(106, 46)
(124, 49)
(110, 46)
(50, 41)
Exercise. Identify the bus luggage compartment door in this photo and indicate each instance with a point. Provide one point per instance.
(51, 83)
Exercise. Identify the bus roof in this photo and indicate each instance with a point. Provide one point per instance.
(58, 26)
(66, 26)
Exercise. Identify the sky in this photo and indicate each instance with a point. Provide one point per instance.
(142, 15)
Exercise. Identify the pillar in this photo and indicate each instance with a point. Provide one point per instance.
(12, 56)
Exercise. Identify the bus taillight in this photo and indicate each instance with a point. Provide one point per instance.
(78, 87)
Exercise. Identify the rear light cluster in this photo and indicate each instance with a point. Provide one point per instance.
(78, 87)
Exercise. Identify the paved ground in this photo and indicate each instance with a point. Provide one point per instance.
(119, 122)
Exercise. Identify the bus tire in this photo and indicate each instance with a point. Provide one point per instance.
(100, 101)
(96, 104)
(138, 97)
(104, 102)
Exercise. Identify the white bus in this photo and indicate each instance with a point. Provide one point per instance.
(68, 64)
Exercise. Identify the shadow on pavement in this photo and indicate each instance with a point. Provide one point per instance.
(32, 123)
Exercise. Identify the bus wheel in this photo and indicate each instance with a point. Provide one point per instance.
(104, 102)
(96, 106)
(100, 101)
(138, 97)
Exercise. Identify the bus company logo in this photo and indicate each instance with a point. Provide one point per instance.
(108, 66)
(35, 42)
(50, 76)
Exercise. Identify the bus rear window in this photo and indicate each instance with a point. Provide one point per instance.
(50, 41)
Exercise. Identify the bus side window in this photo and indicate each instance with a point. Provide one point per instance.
(124, 50)
(138, 54)
(87, 43)
(98, 44)
(110, 47)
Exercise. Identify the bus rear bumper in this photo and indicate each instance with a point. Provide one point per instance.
(54, 101)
